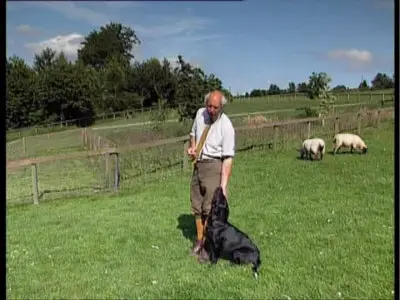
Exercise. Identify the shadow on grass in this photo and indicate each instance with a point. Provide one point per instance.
(187, 225)
(345, 153)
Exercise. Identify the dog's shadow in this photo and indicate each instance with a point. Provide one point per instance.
(187, 225)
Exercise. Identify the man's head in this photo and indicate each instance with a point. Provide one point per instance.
(214, 102)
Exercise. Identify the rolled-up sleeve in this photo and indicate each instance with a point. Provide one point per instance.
(228, 140)
(193, 131)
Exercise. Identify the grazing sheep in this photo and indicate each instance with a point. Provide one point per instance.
(349, 140)
(314, 147)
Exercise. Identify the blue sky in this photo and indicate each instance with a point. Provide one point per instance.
(248, 44)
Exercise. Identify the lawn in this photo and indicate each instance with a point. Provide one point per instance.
(325, 230)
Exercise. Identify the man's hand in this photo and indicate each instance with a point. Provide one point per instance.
(191, 151)
(224, 192)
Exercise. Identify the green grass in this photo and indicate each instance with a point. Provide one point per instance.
(239, 105)
(323, 228)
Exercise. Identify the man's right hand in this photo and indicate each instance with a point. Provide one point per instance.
(191, 151)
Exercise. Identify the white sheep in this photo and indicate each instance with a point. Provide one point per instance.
(349, 140)
(314, 147)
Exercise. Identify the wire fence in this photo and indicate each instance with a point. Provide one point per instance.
(105, 166)
(143, 114)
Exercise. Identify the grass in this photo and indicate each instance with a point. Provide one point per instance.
(237, 106)
(325, 230)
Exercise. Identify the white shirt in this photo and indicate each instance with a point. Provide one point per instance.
(220, 141)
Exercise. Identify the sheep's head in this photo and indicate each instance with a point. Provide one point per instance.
(364, 150)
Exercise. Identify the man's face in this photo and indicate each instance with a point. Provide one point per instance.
(214, 106)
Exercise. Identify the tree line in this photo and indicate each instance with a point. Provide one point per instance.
(105, 78)
(381, 81)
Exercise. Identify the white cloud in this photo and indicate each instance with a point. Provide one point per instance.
(73, 11)
(354, 58)
(26, 29)
(171, 27)
(69, 44)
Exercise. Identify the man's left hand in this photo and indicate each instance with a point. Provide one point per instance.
(224, 192)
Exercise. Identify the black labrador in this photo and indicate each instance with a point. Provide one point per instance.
(224, 240)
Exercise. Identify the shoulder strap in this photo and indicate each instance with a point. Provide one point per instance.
(200, 145)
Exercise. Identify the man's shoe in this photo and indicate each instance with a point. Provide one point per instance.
(203, 256)
(197, 247)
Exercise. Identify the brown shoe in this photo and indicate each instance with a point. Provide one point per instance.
(197, 247)
(203, 256)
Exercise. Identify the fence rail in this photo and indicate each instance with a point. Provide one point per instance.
(104, 165)
(132, 113)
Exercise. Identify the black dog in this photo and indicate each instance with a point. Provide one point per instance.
(223, 240)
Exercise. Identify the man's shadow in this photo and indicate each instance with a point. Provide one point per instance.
(187, 225)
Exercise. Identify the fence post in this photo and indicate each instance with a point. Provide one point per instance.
(107, 170)
(308, 130)
(359, 124)
(378, 120)
(23, 145)
(348, 97)
(185, 159)
(275, 128)
(99, 142)
(370, 97)
(116, 172)
(336, 125)
(35, 184)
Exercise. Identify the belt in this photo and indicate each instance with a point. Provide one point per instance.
(209, 160)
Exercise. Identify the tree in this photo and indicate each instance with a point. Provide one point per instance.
(339, 88)
(292, 87)
(363, 85)
(21, 104)
(110, 41)
(274, 90)
(302, 87)
(193, 85)
(44, 60)
(382, 81)
(318, 87)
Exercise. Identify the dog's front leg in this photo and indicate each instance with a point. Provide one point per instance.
(214, 254)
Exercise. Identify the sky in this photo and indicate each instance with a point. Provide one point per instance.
(247, 44)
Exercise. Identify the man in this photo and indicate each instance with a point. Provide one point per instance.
(213, 161)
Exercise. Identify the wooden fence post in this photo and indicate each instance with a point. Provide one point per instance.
(35, 184)
(336, 125)
(275, 128)
(308, 130)
(185, 158)
(107, 170)
(116, 172)
(99, 142)
(378, 120)
(359, 124)
(348, 97)
(370, 97)
(23, 145)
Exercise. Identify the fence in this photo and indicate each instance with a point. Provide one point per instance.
(101, 168)
(138, 114)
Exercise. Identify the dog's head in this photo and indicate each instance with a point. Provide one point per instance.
(219, 207)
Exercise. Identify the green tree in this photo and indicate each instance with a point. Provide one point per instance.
(111, 40)
(363, 85)
(292, 87)
(382, 81)
(22, 106)
(318, 87)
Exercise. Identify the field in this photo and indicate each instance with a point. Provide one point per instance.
(325, 230)
(371, 98)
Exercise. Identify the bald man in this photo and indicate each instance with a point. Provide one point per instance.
(213, 163)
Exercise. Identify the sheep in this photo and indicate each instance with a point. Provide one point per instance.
(349, 140)
(312, 146)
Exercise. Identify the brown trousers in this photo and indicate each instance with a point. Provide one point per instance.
(206, 178)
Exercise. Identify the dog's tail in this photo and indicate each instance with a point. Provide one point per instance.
(256, 267)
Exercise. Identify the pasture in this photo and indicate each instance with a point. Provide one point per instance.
(325, 230)
(239, 105)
